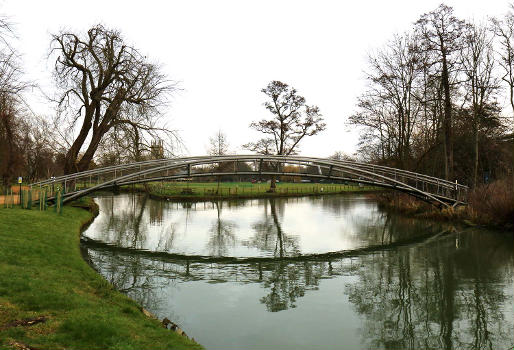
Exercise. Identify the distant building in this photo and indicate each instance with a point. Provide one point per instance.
(157, 149)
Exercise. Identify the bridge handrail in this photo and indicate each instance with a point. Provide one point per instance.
(286, 159)
(107, 169)
(434, 180)
(412, 175)
(393, 171)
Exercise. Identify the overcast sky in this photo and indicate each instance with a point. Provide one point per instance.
(223, 53)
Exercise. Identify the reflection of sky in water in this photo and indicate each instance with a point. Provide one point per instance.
(251, 228)
(450, 291)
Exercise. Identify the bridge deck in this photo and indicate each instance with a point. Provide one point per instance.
(431, 189)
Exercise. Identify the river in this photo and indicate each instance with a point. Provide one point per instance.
(301, 273)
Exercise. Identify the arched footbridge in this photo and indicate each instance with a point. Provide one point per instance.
(427, 188)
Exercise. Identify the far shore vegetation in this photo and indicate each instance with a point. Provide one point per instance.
(231, 190)
(489, 205)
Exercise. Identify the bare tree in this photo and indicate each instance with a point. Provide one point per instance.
(390, 108)
(11, 82)
(263, 146)
(292, 120)
(481, 85)
(218, 144)
(105, 83)
(129, 142)
(440, 32)
(379, 130)
(10, 153)
(433, 92)
(504, 31)
(218, 147)
(11, 87)
(39, 154)
(339, 155)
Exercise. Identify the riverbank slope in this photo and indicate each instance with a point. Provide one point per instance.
(50, 298)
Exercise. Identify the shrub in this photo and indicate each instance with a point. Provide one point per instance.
(493, 203)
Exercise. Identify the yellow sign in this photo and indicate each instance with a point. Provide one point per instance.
(19, 180)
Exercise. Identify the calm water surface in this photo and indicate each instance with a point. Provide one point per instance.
(329, 272)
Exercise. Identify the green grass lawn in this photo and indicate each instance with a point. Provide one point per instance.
(248, 189)
(43, 274)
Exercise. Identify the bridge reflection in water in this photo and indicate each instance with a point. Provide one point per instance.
(452, 290)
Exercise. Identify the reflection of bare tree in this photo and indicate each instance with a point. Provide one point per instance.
(167, 238)
(485, 263)
(133, 275)
(445, 294)
(285, 288)
(337, 205)
(127, 222)
(411, 298)
(156, 211)
(222, 234)
(269, 235)
(385, 228)
(289, 281)
(124, 224)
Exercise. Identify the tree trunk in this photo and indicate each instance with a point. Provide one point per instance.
(447, 122)
(273, 184)
(70, 160)
(86, 159)
(512, 105)
(475, 167)
(9, 151)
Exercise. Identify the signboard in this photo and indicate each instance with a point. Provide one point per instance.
(19, 179)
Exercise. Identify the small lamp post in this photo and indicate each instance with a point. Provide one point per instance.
(20, 180)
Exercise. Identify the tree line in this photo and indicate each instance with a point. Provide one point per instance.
(110, 102)
(433, 102)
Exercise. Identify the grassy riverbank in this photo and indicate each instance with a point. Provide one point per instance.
(43, 277)
(196, 191)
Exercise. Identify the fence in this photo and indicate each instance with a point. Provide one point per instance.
(33, 198)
